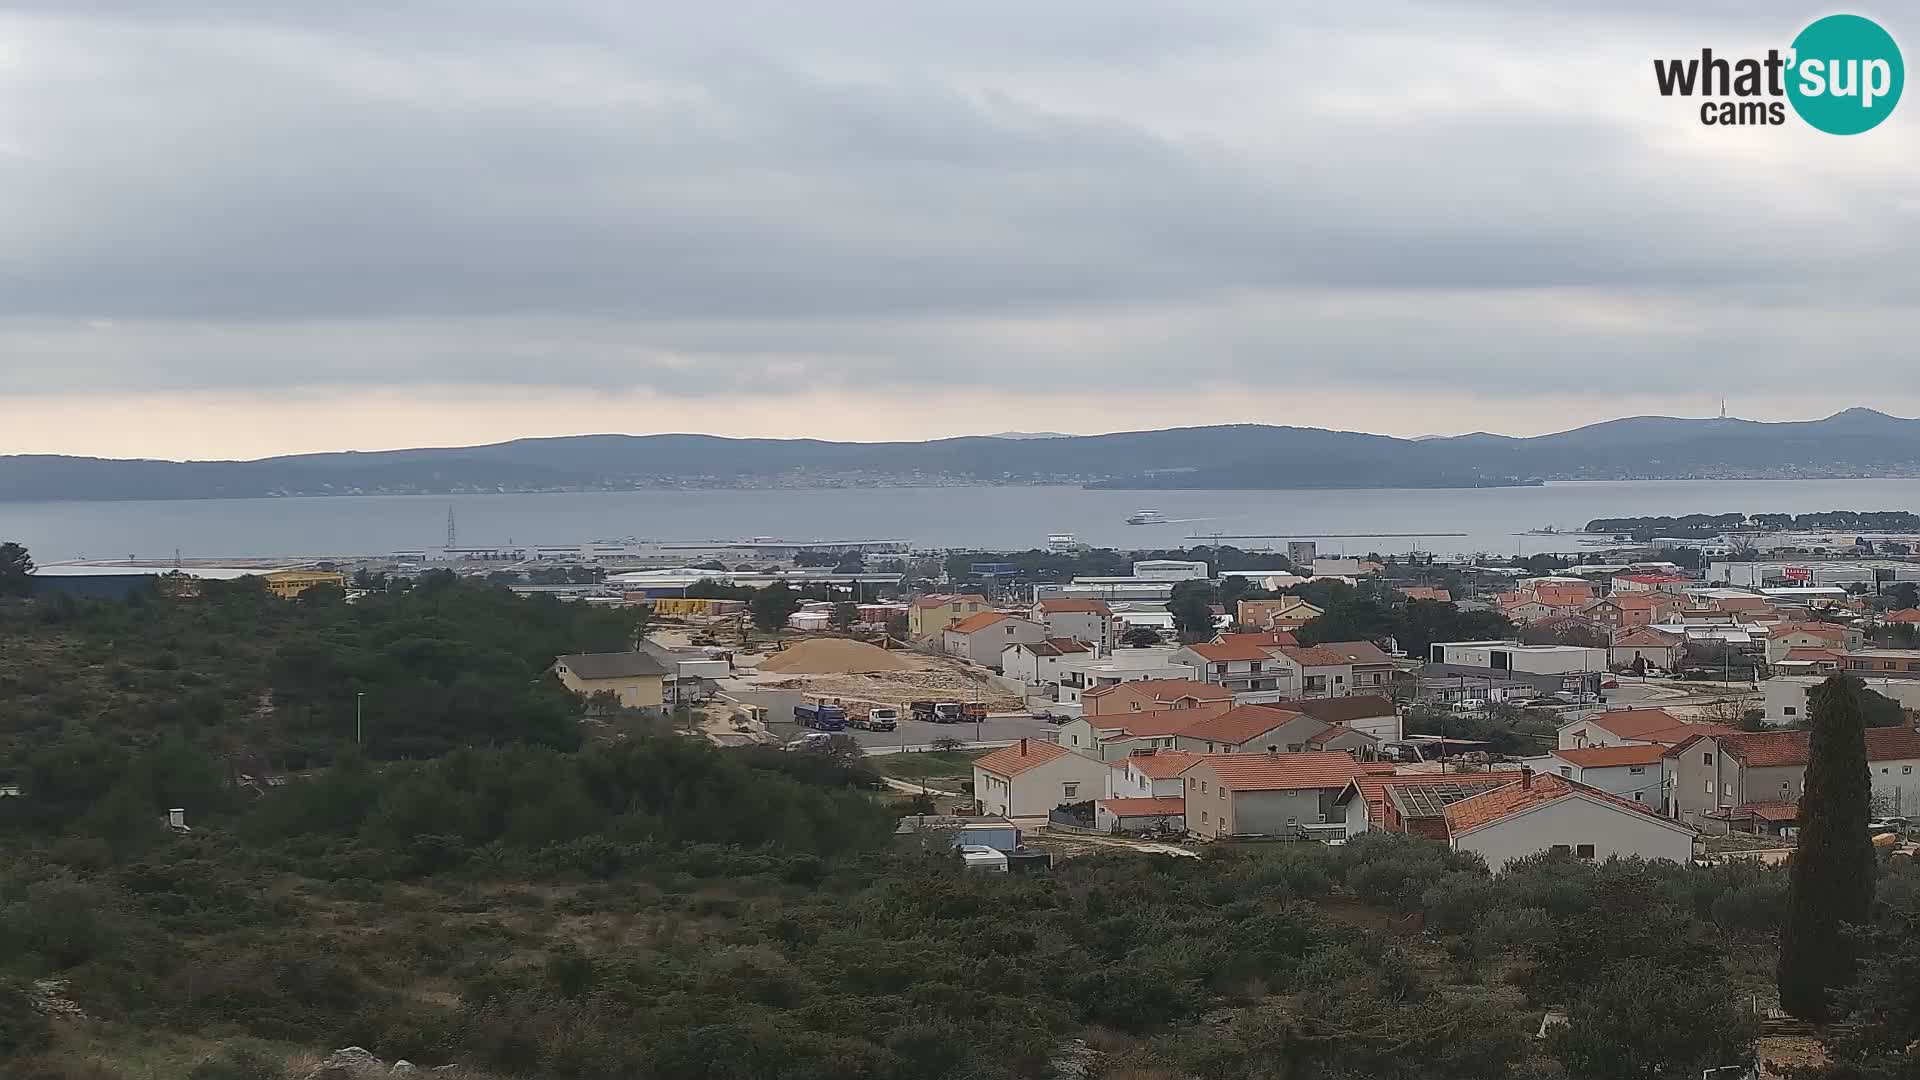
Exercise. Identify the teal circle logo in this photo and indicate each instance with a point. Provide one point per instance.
(1846, 74)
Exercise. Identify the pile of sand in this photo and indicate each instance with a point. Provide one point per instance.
(833, 656)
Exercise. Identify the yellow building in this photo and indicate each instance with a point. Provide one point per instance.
(634, 677)
(291, 583)
(930, 615)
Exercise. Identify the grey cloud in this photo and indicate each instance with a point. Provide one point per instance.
(775, 196)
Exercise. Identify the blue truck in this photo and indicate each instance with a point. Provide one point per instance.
(821, 715)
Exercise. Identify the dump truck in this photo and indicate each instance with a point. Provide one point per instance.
(870, 717)
(821, 715)
(950, 712)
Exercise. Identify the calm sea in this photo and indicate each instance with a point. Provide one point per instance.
(1489, 519)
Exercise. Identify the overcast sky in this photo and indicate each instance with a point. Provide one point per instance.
(243, 227)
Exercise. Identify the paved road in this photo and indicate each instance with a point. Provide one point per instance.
(995, 729)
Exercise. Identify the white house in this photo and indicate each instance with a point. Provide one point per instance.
(1147, 774)
(1030, 778)
(1630, 727)
(1656, 648)
(982, 638)
(1040, 662)
(1242, 667)
(1091, 621)
(1552, 813)
(1633, 771)
(1079, 674)
(1319, 671)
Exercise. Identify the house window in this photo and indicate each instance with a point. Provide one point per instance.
(1069, 790)
(1727, 790)
(1339, 678)
(1075, 738)
(1709, 787)
(1906, 770)
(1203, 787)
(1636, 770)
(1706, 759)
(1791, 711)
(1561, 849)
(1136, 706)
(1584, 851)
(1203, 817)
(1566, 771)
(1223, 794)
(1638, 796)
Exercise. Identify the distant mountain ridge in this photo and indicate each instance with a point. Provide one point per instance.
(1856, 442)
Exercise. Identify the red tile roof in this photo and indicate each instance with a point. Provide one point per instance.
(1223, 652)
(1237, 725)
(1811, 652)
(1026, 754)
(1645, 637)
(1156, 807)
(1503, 802)
(1632, 723)
(1282, 772)
(1334, 731)
(1562, 595)
(1426, 592)
(1343, 710)
(1765, 811)
(1829, 631)
(1771, 749)
(1159, 764)
(1062, 605)
(1602, 757)
(1904, 615)
(1166, 690)
(1741, 603)
(1357, 652)
(1653, 579)
(1053, 646)
(1316, 656)
(974, 623)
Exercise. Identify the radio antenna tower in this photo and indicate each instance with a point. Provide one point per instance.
(451, 535)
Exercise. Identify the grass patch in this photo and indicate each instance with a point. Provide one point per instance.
(928, 767)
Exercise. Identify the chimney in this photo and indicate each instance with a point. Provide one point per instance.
(1023, 747)
(1526, 777)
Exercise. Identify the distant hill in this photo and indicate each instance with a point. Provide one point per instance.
(1857, 442)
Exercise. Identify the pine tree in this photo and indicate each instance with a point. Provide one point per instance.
(1830, 885)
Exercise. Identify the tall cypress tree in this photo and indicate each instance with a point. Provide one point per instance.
(1831, 880)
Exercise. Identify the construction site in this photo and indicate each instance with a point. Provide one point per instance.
(858, 671)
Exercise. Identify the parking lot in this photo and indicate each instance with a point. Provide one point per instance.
(918, 734)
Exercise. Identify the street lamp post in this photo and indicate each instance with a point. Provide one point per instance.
(359, 697)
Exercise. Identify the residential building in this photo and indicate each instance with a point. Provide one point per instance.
(1263, 614)
(1113, 738)
(1667, 583)
(1643, 646)
(1361, 745)
(1633, 771)
(1038, 663)
(1265, 794)
(982, 638)
(1629, 609)
(1372, 668)
(1376, 715)
(1521, 607)
(1412, 805)
(1090, 621)
(1153, 695)
(1146, 774)
(1902, 617)
(1249, 729)
(1552, 813)
(1240, 666)
(635, 678)
(1346, 568)
(1089, 672)
(1321, 671)
(1712, 774)
(929, 615)
(1785, 637)
(1630, 727)
(1809, 661)
(1426, 592)
(1030, 778)
(1883, 663)
(1785, 695)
